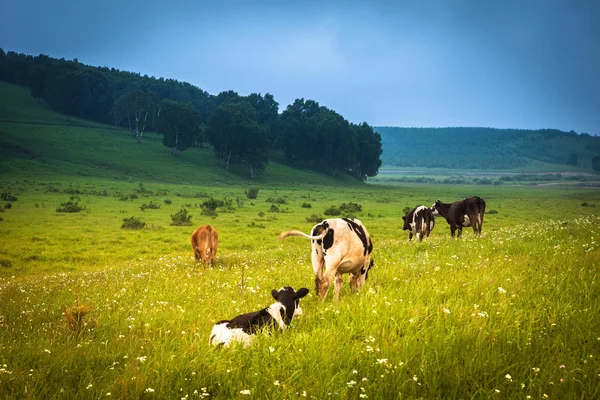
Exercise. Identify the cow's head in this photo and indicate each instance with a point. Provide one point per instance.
(434, 208)
(405, 224)
(290, 299)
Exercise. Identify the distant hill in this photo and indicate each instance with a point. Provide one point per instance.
(39, 143)
(487, 148)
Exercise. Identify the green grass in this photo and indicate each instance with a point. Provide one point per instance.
(91, 310)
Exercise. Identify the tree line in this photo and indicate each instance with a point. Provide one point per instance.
(239, 129)
(487, 148)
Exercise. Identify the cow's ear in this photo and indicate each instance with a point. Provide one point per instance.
(301, 293)
(274, 293)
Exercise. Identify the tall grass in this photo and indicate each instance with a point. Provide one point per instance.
(510, 314)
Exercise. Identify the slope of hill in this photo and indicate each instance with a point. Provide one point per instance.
(38, 142)
(487, 148)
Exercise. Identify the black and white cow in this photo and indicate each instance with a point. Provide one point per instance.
(339, 246)
(241, 328)
(467, 212)
(418, 221)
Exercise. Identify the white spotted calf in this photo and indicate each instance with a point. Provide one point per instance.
(241, 328)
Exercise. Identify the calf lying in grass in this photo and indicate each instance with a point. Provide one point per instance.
(241, 328)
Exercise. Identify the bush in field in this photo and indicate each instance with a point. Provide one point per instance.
(255, 225)
(277, 200)
(239, 201)
(405, 210)
(7, 206)
(151, 205)
(168, 201)
(75, 317)
(314, 218)
(7, 197)
(306, 205)
(252, 193)
(212, 204)
(70, 207)
(332, 211)
(492, 211)
(345, 210)
(133, 223)
(181, 218)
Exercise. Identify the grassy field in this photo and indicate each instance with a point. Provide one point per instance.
(89, 309)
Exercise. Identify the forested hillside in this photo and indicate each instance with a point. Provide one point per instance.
(487, 148)
(241, 130)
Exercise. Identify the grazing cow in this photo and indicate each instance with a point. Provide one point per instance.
(205, 242)
(241, 328)
(339, 246)
(467, 212)
(418, 221)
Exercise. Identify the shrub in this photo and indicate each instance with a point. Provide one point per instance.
(332, 211)
(239, 201)
(133, 223)
(7, 197)
(350, 209)
(274, 208)
(7, 206)
(314, 218)
(261, 214)
(151, 205)
(168, 201)
(75, 317)
(277, 200)
(181, 218)
(405, 210)
(252, 193)
(306, 205)
(255, 225)
(70, 207)
(212, 204)
(492, 212)
(209, 212)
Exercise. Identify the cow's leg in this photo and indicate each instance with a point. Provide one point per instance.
(339, 282)
(410, 235)
(420, 236)
(318, 262)
(197, 254)
(332, 261)
(452, 230)
(459, 231)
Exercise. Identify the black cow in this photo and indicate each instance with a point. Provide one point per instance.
(418, 221)
(467, 212)
(241, 328)
(339, 246)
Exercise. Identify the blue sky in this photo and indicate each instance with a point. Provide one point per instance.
(504, 64)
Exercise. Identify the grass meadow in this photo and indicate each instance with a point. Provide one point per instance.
(91, 310)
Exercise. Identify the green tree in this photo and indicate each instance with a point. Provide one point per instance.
(137, 107)
(236, 135)
(179, 124)
(70, 93)
(573, 159)
(596, 163)
(367, 160)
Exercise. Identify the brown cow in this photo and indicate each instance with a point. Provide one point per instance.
(205, 241)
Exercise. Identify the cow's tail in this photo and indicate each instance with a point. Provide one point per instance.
(481, 213)
(299, 233)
